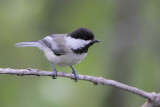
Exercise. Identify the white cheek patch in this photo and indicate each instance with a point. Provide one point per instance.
(76, 43)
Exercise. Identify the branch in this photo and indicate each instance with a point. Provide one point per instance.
(153, 98)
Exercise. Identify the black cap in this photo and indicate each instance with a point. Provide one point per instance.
(82, 33)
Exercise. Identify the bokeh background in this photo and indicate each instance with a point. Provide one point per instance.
(128, 52)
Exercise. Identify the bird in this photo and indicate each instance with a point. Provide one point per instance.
(65, 49)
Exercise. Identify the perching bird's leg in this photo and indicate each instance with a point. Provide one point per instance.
(54, 71)
(75, 74)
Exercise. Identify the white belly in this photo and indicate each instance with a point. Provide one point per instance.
(64, 60)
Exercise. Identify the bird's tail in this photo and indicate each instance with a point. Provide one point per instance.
(28, 44)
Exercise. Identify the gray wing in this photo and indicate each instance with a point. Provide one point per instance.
(57, 49)
(59, 52)
(53, 35)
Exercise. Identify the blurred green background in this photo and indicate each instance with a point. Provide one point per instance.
(128, 52)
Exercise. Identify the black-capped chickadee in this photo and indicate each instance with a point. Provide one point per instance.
(64, 49)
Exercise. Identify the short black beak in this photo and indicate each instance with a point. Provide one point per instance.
(95, 40)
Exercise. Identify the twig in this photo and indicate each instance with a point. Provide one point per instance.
(153, 98)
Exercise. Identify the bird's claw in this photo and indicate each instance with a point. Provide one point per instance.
(54, 76)
(76, 76)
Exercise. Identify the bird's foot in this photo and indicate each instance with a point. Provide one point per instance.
(76, 76)
(54, 76)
